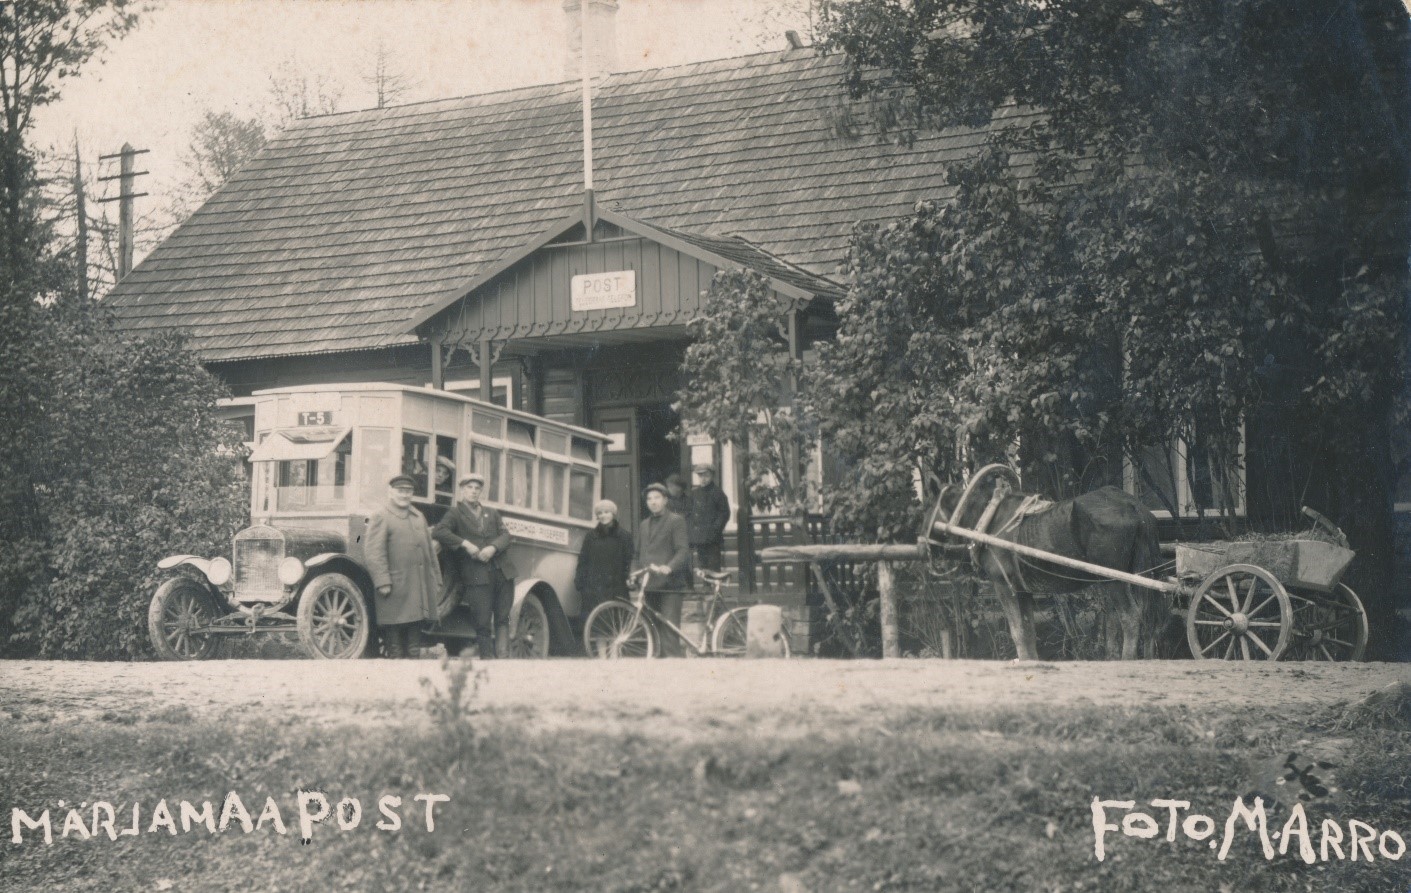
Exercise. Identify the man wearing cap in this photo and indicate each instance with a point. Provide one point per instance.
(710, 512)
(663, 550)
(402, 561)
(475, 534)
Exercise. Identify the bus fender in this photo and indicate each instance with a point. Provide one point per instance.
(201, 564)
(561, 639)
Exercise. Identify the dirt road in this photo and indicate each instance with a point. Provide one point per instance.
(664, 697)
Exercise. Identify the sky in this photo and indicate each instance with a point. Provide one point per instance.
(189, 56)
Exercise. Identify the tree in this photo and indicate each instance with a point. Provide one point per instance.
(221, 144)
(136, 466)
(41, 43)
(85, 510)
(388, 85)
(740, 372)
(1186, 218)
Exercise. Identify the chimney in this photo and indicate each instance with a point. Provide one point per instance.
(602, 38)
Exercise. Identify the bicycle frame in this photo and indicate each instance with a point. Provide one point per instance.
(639, 603)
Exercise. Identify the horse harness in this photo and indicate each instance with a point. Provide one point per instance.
(1033, 504)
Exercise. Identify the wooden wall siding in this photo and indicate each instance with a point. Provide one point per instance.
(406, 365)
(531, 299)
(563, 395)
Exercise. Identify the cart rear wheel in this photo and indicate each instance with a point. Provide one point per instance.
(730, 634)
(179, 606)
(1328, 627)
(1240, 612)
(333, 619)
(614, 629)
(530, 633)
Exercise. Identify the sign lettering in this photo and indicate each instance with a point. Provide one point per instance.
(534, 531)
(603, 291)
(315, 419)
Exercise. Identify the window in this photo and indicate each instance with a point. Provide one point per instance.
(521, 433)
(1191, 481)
(445, 470)
(552, 477)
(580, 495)
(314, 484)
(416, 462)
(585, 450)
(486, 460)
(520, 486)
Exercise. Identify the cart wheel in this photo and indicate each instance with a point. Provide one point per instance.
(1240, 612)
(333, 619)
(178, 606)
(530, 637)
(614, 629)
(728, 637)
(1328, 627)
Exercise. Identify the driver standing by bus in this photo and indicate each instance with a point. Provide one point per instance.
(403, 567)
(477, 538)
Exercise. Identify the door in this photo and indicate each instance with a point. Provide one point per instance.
(620, 482)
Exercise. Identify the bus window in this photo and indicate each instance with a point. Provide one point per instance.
(553, 442)
(416, 456)
(520, 486)
(585, 450)
(580, 495)
(551, 481)
(445, 470)
(488, 425)
(521, 433)
(486, 460)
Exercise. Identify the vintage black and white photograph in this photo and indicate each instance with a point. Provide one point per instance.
(721, 445)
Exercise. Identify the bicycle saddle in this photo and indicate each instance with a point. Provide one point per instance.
(713, 576)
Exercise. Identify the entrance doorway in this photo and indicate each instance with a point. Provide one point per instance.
(640, 453)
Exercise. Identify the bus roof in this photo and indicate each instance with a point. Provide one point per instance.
(432, 392)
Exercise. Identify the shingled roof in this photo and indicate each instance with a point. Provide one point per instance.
(348, 225)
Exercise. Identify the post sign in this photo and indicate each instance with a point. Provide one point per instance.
(603, 291)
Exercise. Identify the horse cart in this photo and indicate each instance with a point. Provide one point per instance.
(1243, 600)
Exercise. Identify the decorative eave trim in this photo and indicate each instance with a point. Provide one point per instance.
(800, 297)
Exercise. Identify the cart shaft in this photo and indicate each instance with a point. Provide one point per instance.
(941, 528)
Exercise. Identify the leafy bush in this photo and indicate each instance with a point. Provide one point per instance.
(133, 464)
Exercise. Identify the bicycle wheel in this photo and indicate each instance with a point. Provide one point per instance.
(729, 636)
(614, 629)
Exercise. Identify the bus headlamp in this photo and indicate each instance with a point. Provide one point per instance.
(291, 571)
(218, 571)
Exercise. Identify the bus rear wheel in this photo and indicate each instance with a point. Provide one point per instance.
(529, 635)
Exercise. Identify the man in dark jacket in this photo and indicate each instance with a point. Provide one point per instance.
(475, 534)
(662, 549)
(710, 512)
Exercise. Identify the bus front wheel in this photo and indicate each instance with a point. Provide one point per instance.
(333, 619)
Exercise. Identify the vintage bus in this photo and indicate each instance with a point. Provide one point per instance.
(321, 464)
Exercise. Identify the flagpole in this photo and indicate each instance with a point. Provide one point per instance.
(587, 101)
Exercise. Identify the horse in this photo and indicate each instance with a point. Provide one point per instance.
(1107, 527)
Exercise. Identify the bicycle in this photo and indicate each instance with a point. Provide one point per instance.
(633, 629)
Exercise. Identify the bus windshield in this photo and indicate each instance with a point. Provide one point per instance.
(306, 468)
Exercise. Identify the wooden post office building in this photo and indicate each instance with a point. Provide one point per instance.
(452, 243)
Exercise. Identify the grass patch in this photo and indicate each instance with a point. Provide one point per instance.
(930, 800)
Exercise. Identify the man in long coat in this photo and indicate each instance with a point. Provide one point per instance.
(477, 539)
(662, 549)
(402, 561)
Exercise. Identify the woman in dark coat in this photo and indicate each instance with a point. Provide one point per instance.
(605, 561)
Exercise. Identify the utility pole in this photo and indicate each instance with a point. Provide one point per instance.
(82, 211)
(124, 198)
